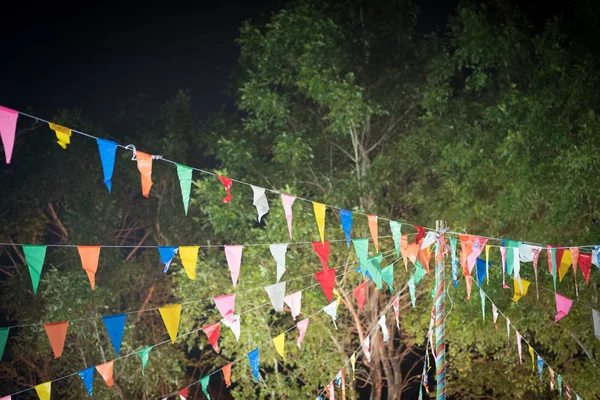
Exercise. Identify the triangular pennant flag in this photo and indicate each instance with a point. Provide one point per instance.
(276, 293)
(596, 319)
(87, 375)
(359, 294)
(384, 330)
(115, 325)
(319, 210)
(226, 304)
(361, 247)
(596, 256)
(495, 315)
(540, 365)
(57, 333)
(34, 256)
(327, 281)
(235, 326)
(144, 356)
(346, 219)
(204, 385)
(420, 233)
(260, 201)
(170, 316)
(428, 240)
(353, 363)
(374, 269)
(3, 340)
(366, 345)
(481, 270)
(565, 263)
(532, 354)
(63, 134)
(322, 250)
(89, 261)
(552, 263)
(184, 173)
(189, 259)
(288, 201)
(213, 332)
(559, 385)
(551, 372)
(279, 343)
(144, 164)
(106, 371)
(396, 304)
(183, 393)
(374, 230)
(396, 228)
(8, 127)
(454, 260)
(108, 153)
(563, 306)
(411, 290)
(331, 391)
(278, 252)
(253, 359)
(404, 250)
(331, 310)
(412, 252)
(294, 302)
(227, 183)
(521, 283)
(585, 265)
(482, 303)
(508, 328)
(166, 255)
(227, 374)
(234, 261)
(302, 326)
(44, 390)
(387, 274)
(487, 263)
(519, 348)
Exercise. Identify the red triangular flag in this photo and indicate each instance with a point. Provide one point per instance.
(227, 374)
(585, 265)
(57, 333)
(183, 393)
(213, 332)
(359, 293)
(322, 250)
(327, 281)
(227, 185)
(420, 233)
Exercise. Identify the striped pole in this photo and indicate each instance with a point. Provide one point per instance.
(440, 314)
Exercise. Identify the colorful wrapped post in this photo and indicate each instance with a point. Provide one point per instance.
(440, 313)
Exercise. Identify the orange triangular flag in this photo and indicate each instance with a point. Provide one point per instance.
(412, 251)
(57, 333)
(106, 370)
(144, 164)
(425, 258)
(89, 261)
(374, 230)
(227, 374)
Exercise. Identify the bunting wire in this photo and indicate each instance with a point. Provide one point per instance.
(194, 331)
(522, 338)
(385, 255)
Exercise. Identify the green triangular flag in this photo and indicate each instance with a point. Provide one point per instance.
(204, 383)
(144, 355)
(510, 254)
(419, 274)
(361, 247)
(411, 289)
(396, 228)
(3, 340)
(553, 258)
(184, 173)
(35, 255)
(374, 268)
(388, 276)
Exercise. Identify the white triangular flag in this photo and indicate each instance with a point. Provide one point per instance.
(428, 240)
(508, 328)
(367, 348)
(234, 326)
(596, 319)
(276, 293)
(260, 201)
(331, 310)
(384, 329)
(294, 302)
(278, 252)
(517, 267)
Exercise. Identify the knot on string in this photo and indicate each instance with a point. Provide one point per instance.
(134, 151)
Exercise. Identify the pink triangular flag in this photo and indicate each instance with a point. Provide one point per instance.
(519, 348)
(563, 306)
(322, 250)
(8, 127)
(367, 348)
(294, 302)
(288, 201)
(234, 260)
(226, 304)
(302, 326)
(331, 391)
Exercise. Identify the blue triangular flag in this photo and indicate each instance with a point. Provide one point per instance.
(166, 255)
(108, 151)
(540, 364)
(481, 271)
(88, 378)
(346, 217)
(253, 358)
(115, 325)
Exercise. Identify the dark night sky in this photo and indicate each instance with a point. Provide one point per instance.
(95, 57)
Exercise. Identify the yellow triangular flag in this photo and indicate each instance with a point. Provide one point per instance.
(43, 390)
(279, 342)
(320, 217)
(532, 354)
(520, 290)
(189, 258)
(170, 316)
(487, 263)
(63, 134)
(565, 264)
